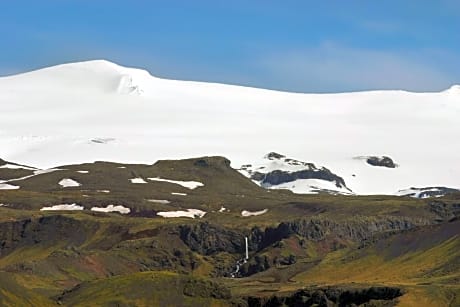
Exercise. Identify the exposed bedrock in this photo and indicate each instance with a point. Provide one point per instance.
(383, 161)
(278, 177)
(208, 239)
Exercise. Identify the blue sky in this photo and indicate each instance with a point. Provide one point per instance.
(304, 46)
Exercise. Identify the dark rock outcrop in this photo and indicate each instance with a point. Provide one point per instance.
(331, 297)
(47, 229)
(208, 239)
(274, 156)
(278, 177)
(383, 161)
(445, 211)
(317, 229)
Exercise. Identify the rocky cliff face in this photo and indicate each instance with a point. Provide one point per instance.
(358, 229)
(330, 297)
(45, 230)
(446, 211)
(208, 239)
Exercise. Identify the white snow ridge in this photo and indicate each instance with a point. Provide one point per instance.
(326, 129)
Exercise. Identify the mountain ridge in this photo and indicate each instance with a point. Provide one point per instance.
(126, 115)
(106, 65)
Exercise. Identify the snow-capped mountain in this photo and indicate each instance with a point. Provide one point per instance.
(98, 110)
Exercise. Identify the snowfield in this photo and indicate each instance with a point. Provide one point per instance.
(97, 110)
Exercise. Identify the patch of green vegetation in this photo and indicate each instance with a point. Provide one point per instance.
(13, 294)
(148, 289)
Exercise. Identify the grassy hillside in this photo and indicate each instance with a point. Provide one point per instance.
(335, 249)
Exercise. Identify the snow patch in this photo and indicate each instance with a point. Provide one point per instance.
(191, 213)
(159, 201)
(222, 209)
(276, 162)
(83, 172)
(36, 173)
(310, 186)
(112, 208)
(67, 183)
(253, 213)
(137, 180)
(5, 186)
(186, 184)
(62, 207)
(46, 171)
(426, 192)
(176, 193)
